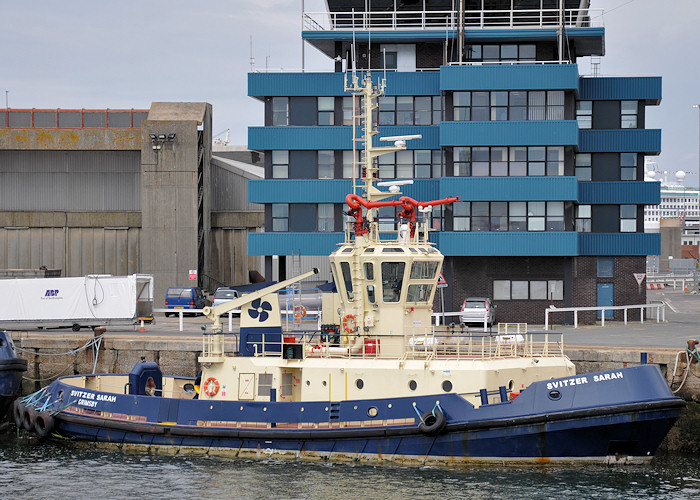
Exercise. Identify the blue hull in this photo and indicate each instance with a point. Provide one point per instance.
(11, 370)
(619, 413)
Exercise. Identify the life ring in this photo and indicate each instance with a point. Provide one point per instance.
(346, 320)
(432, 422)
(29, 418)
(299, 312)
(44, 424)
(211, 386)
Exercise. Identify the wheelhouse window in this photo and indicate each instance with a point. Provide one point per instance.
(419, 293)
(347, 279)
(423, 270)
(392, 280)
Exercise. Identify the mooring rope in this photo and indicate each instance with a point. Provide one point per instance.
(92, 341)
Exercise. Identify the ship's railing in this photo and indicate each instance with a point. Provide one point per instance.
(449, 19)
(425, 346)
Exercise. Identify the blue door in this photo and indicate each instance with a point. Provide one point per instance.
(605, 297)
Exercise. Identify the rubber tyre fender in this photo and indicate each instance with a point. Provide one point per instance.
(432, 422)
(44, 424)
(17, 412)
(29, 418)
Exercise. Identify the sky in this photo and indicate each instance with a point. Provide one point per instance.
(130, 53)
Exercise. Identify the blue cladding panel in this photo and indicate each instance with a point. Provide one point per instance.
(326, 190)
(619, 192)
(298, 190)
(288, 243)
(622, 141)
(439, 35)
(619, 244)
(296, 138)
(521, 76)
(507, 133)
(621, 88)
(510, 188)
(331, 84)
(508, 244)
(299, 138)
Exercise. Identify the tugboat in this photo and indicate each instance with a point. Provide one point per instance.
(378, 382)
(11, 369)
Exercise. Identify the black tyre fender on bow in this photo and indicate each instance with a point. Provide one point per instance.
(29, 418)
(17, 413)
(432, 422)
(44, 424)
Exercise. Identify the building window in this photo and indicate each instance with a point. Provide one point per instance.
(515, 161)
(390, 60)
(410, 164)
(461, 212)
(347, 110)
(506, 52)
(628, 114)
(326, 111)
(628, 218)
(348, 166)
(280, 111)
(584, 114)
(326, 164)
(514, 216)
(409, 110)
(606, 267)
(528, 290)
(504, 105)
(280, 164)
(583, 168)
(438, 217)
(583, 218)
(280, 217)
(628, 166)
(386, 218)
(325, 217)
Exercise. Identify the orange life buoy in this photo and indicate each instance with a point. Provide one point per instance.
(211, 386)
(346, 320)
(299, 312)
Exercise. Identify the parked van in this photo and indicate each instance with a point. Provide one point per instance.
(184, 297)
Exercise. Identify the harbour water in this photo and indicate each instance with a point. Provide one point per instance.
(31, 468)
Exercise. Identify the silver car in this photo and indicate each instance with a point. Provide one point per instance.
(475, 309)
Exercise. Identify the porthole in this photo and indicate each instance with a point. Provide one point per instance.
(359, 383)
(412, 385)
(554, 395)
(511, 384)
(150, 388)
(308, 382)
(323, 383)
(447, 386)
(372, 411)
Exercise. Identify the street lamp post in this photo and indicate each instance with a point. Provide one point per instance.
(697, 106)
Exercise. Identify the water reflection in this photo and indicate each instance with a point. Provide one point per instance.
(40, 469)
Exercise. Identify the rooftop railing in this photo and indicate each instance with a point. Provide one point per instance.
(449, 19)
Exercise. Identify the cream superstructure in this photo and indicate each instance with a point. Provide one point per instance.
(384, 344)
